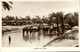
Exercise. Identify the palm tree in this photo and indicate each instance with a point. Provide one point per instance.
(28, 18)
(59, 19)
(38, 18)
(51, 16)
(72, 19)
(44, 19)
(76, 18)
(6, 5)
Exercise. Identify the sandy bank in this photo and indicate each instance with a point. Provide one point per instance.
(69, 39)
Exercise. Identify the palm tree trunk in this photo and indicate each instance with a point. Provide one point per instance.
(58, 30)
(62, 26)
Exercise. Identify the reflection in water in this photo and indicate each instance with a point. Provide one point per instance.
(33, 39)
(26, 37)
(9, 40)
(35, 35)
(39, 34)
(32, 36)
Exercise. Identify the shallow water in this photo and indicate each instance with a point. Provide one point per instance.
(36, 39)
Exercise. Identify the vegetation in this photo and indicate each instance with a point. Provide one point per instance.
(72, 19)
(61, 20)
(7, 5)
(58, 18)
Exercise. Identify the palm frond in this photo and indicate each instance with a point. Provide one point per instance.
(10, 2)
(6, 5)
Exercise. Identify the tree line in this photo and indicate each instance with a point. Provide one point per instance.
(58, 18)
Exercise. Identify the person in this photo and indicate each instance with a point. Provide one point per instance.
(9, 39)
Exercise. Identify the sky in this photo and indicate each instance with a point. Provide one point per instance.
(41, 8)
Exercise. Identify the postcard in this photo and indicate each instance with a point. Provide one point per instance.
(49, 25)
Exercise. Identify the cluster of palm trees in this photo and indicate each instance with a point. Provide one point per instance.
(15, 21)
(59, 18)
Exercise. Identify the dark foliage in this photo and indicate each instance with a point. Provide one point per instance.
(6, 5)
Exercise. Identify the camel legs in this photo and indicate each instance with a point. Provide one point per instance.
(23, 32)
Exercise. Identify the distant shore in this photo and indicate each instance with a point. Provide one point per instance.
(10, 28)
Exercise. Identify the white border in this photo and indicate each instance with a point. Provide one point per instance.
(7, 49)
(0, 27)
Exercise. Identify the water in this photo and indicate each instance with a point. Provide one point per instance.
(36, 39)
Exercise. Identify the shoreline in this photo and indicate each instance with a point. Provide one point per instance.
(52, 42)
(56, 40)
(63, 41)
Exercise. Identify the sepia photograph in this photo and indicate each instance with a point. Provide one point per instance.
(40, 24)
